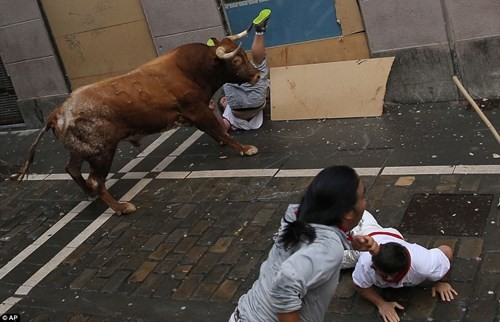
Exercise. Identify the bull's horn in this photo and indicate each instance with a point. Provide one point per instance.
(242, 34)
(221, 52)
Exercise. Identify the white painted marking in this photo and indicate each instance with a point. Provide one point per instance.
(186, 144)
(36, 177)
(297, 173)
(36, 278)
(419, 170)
(9, 303)
(129, 166)
(135, 175)
(162, 138)
(477, 169)
(233, 173)
(163, 164)
(173, 175)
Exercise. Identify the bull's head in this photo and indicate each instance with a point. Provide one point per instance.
(239, 69)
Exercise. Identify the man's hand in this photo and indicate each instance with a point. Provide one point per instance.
(388, 311)
(445, 291)
(365, 243)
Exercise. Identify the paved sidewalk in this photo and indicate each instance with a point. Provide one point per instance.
(205, 222)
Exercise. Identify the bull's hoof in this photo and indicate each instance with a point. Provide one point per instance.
(250, 150)
(125, 208)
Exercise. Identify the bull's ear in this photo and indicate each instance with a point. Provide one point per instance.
(212, 42)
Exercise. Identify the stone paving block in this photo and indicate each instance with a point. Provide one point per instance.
(177, 235)
(153, 242)
(205, 292)
(95, 284)
(210, 236)
(345, 289)
(491, 263)
(487, 286)
(363, 306)
(206, 263)
(168, 226)
(167, 265)
(134, 260)
(232, 254)
(166, 287)
(422, 240)
(142, 272)
(185, 245)
(221, 245)
(103, 258)
(161, 251)
(82, 279)
(148, 287)
(77, 254)
(482, 310)
(200, 227)
(79, 318)
(421, 305)
(217, 274)
(118, 229)
(226, 291)
(249, 234)
(110, 267)
(244, 265)
(130, 245)
(448, 312)
(469, 184)
(184, 211)
(181, 271)
(463, 269)
(187, 287)
(194, 254)
(101, 245)
(470, 247)
(340, 306)
(113, 283)
(263, 216)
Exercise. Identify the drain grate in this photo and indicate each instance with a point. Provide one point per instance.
(447, 214)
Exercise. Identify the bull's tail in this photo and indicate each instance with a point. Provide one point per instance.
(23, 171)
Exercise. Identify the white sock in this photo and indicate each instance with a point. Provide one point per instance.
(259, 32)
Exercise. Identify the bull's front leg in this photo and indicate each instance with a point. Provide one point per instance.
(205, 120)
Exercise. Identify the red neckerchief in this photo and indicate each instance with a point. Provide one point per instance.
(396, 279)
(346, 232)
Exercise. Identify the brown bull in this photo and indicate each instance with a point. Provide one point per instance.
(171, 90)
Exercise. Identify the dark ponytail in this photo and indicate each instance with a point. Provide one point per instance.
(331, 194)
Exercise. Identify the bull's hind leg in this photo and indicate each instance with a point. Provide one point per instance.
(99, 170)
(74, 168)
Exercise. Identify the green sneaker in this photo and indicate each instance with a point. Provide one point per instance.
(210, 43)
(261, 21)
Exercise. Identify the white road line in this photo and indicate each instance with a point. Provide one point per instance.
(233, 173)
(477, 169)
(24, 289)
(36, 278)
(418, 170)
(181, 148)
(294, 173)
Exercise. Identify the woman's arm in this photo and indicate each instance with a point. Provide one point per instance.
(289, 317)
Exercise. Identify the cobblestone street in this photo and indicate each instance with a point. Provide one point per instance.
(205, 221)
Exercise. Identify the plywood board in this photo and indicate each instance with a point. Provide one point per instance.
(68, 17)
(349, 16)
(98, 38)
(329, 90)
(106, 50)
(349, 47)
